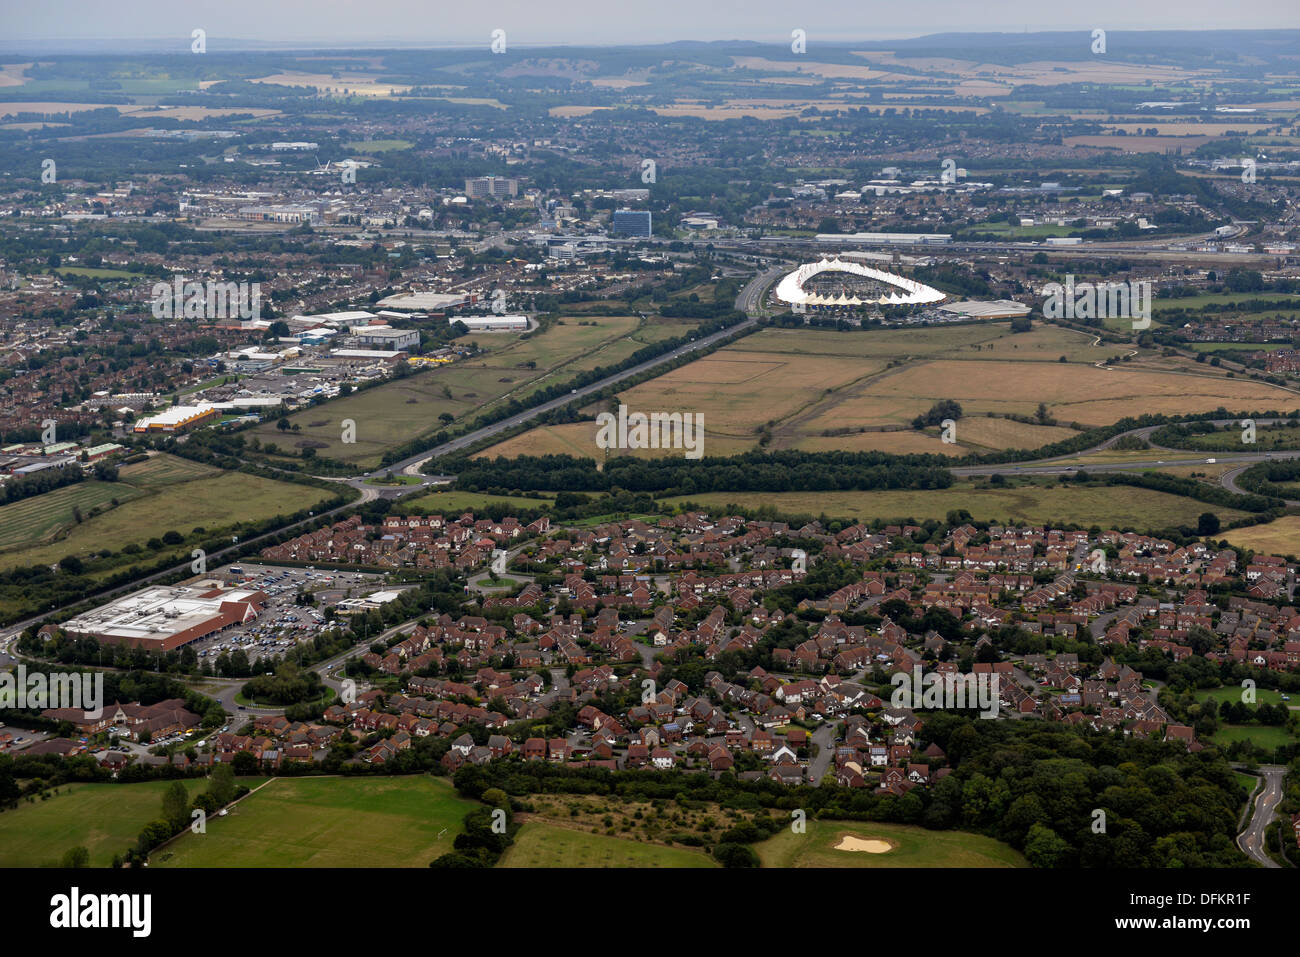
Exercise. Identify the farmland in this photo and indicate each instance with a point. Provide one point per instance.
(910, 847)
(149, 499)
(818, 390)
(329, 822)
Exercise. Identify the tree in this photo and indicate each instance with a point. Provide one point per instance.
(76, 858)
(1044, 848)
(222, 784)
(1207, 524)
(176, 805)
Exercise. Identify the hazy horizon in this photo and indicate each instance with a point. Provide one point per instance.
(244, 24)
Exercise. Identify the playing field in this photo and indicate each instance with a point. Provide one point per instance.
(910, 847)
(103, 818)
(1122, 507)
(1233, 693)
(329, 822)
(539, 844)
(1267, 737)
(154, 497)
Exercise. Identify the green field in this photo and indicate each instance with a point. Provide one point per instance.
(103, 818)
(329, 822)
(452, 502)
(377, 146)
(40, 517)
(1267, 737)
(513, 366)
(913, 847)
(1086, 505)
(1267, 439)
(163, 494)
(1233, 693)
(546, 845)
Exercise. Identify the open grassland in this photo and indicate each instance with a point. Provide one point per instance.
(1263, 736)
(329, 822)
(162, 502)
(910, 847)
(1278, 537)
(454, 502)
(1267, 439)
(1121, 506)
(163, 469)
(514, 366)
(539, 844)
(41, 517)
(105, 819)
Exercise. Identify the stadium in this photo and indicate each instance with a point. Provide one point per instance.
(835, 283)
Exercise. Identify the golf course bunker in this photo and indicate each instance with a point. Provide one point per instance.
(872, 845)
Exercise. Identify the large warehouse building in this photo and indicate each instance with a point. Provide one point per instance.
(178, 418)
(163, 618)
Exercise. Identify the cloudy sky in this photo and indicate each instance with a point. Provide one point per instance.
(526, 22)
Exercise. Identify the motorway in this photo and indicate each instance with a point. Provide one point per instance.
(749, 301)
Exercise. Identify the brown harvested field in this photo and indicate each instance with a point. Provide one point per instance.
(904, 442)
(1192, 129)
(1072, 392)
(820, 390)
(1278, 537)
(11, 74)
(740, 391)
(973, 434)
(579, 439)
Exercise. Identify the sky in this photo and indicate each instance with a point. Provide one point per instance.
(531, 22)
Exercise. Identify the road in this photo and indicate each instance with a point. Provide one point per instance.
(1251, 840)
(1056, 466)
(749, 301)
(368, 493)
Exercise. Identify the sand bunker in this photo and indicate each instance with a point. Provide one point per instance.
(871, 845)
